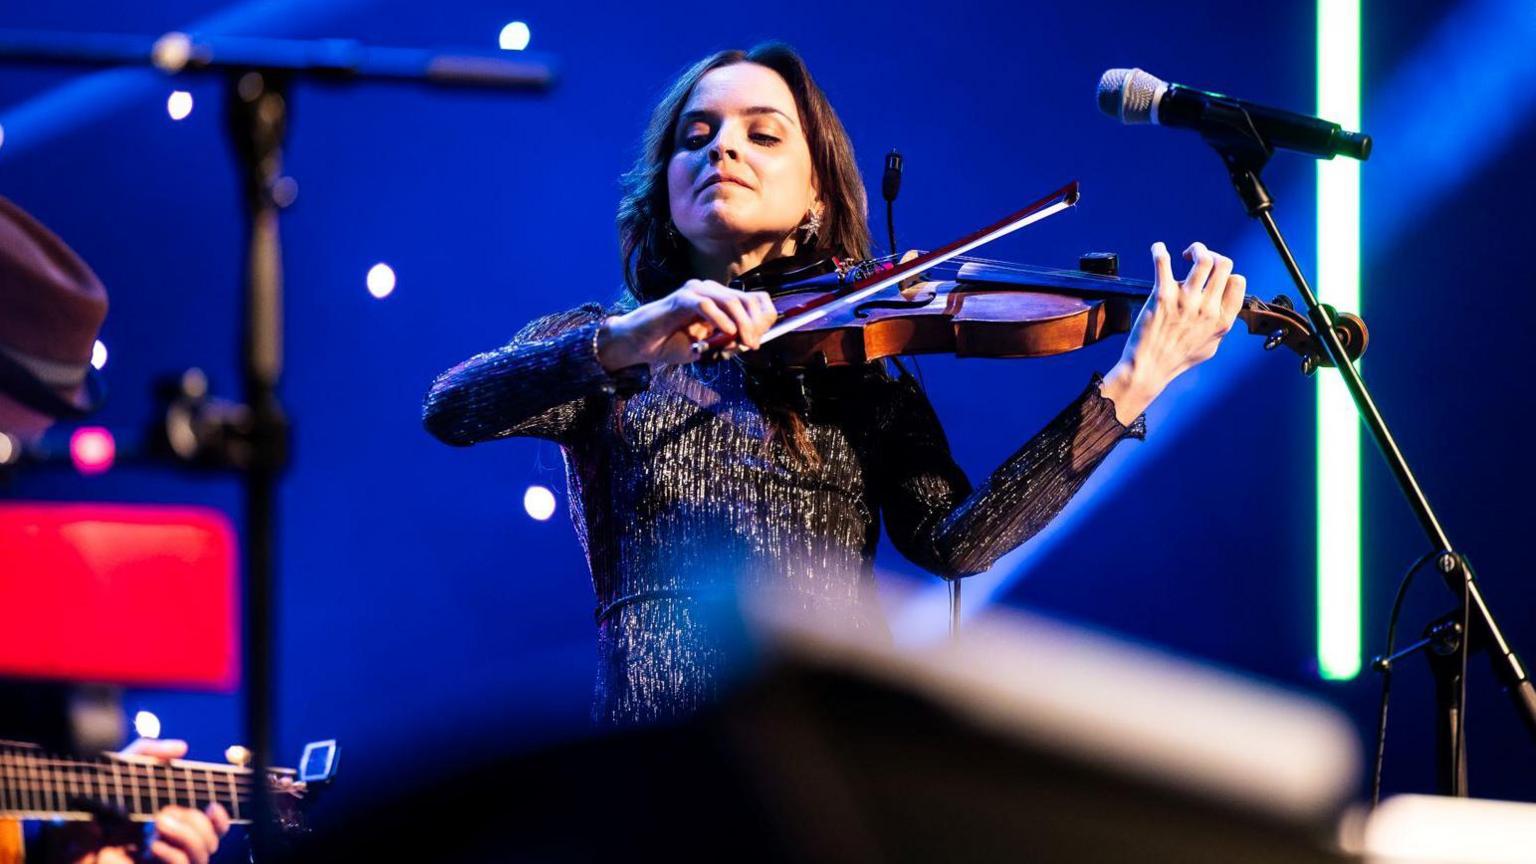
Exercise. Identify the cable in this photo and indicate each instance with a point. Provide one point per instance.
(1384, 666)
(1458, 755)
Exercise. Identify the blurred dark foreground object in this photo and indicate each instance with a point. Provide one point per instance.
(1021, 741)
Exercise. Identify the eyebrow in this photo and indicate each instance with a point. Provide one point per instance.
(690, 116)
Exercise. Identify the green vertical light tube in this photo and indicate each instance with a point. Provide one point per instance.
(1338, 283)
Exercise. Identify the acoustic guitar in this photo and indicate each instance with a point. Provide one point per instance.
(35, 784)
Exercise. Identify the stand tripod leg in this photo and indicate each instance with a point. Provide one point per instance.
(1450, 738)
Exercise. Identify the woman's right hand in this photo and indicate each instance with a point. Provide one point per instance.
(664, 331)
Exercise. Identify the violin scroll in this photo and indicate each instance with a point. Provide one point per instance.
(1282, 325)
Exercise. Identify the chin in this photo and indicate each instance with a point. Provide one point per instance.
(722, 224)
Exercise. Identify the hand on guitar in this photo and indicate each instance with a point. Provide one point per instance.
(181, 835)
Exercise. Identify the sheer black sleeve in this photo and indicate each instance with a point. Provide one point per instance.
(931, 512)
(545, 383)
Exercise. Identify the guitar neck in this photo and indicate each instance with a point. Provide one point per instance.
(35, 784)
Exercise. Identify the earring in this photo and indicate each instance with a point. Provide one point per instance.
(812, 226)
(671, 233)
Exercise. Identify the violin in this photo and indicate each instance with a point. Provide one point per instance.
(836, 313)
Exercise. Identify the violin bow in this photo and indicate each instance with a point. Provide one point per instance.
(820, 307)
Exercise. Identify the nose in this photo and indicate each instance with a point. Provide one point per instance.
(724, 145)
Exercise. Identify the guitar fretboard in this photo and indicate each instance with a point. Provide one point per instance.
(35, 784)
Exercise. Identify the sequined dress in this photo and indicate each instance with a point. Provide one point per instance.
(680, 485)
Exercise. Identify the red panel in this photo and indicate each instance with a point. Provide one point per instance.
(122, 594)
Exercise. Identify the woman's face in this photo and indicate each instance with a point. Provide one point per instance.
(741, 168)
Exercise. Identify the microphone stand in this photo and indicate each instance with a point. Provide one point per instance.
(253, 439)
(1245, 152)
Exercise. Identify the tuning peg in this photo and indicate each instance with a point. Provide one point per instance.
(1275, 340)
(1309, 364)
(238, 756)
(1282, 301)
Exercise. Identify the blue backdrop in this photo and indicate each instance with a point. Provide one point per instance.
(424, 614)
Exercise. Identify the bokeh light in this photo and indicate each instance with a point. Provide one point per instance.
(381, 280)
(92, 449)
(179, 104)
(539, 502)
(514, 36)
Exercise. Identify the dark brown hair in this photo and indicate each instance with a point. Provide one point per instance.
(653, 265)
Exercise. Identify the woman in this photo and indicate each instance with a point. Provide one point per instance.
(687, 477)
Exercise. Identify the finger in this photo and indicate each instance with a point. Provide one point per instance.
(169, 748)
(201, 826)
(219, 817)
(165, 852)
(710, 311)
(1162, 267)
(177, 830)
(733, 302)
(767, 314)
(1200, 271)
(1232, 298)
(1215, 287)
(746, 325)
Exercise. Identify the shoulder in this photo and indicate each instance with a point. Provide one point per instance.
(555, 323)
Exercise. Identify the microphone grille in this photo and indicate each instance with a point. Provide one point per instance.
(1129, 94)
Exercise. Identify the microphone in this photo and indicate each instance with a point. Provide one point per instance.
(1133, 97)
(890, 182)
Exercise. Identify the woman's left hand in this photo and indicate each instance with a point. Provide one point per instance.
(182, 835)
(1180, 327)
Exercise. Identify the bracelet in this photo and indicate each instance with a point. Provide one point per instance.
(623, 382)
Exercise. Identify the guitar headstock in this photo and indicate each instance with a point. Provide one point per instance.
(292, 788)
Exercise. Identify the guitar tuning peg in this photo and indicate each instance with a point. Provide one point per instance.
(1275, 340)
(1309, 364)
(1282, 301)
(238, 756)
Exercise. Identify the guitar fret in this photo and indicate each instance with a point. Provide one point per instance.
(50, 786)
(154, 794)
(133, 782)
(213, 796)
(19, 774)
(22, 780)
(117, 783)
(234, 796)
(39, 788)
(40, 771)
(40, 775)
(6, 793)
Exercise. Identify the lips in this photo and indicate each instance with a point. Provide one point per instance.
(723, 178)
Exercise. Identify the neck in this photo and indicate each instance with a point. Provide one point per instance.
(35, 784)
(724, 262)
